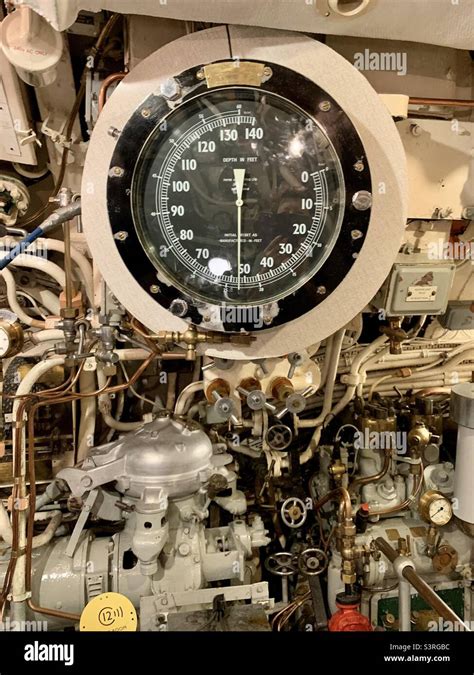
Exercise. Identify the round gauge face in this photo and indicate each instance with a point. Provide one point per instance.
(4, 342)
(440, 511)
(237, 197)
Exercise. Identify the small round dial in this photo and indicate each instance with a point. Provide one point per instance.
(441, 511)
(436, 508)
(11, 339)
(238, 197)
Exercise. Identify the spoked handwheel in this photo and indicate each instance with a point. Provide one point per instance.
(293, 512)
(282, 564)
(312, 561)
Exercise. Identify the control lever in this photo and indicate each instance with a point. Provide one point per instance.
(225, 407)
(295, 403)
(256, 400)
(295, 360)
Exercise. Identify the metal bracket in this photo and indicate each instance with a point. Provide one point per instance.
(80, 524)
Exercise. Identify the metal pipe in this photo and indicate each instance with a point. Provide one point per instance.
(406, 502)
(68, 285)
(404, 606)
(115, 77)
(365, 480)
(445, 102)
(340, 493)
(419, 584)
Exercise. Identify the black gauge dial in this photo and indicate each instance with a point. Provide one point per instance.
(239, 207)
(238, 197)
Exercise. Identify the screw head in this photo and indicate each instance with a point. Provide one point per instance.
(121, 236)
(356, 234)
(146, 112)
(116, 171)
(359, 165)
(321, 290)
(170, 89)
(267, 72)
(200, 74)
(325, 106)
(154, 288)
(114, 132)
(362, 200)
(179, 307)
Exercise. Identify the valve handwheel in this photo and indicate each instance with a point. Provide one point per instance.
(293, 512)
(282, 564)
(279, 437)
(312, 561)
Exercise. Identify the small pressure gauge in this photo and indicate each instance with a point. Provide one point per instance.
(11, 339)
(436, 508)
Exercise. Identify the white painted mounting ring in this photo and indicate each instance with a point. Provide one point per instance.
(354, 94)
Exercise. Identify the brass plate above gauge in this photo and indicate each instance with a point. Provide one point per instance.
(241, 195)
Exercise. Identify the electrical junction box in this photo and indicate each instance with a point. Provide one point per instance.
(459, 316)
(417, 289)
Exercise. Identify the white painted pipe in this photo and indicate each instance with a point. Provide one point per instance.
(87, 384)
(49, 300)
(404, 599)
(104, 407)
(334, 357)
(78, 258)
(39, 539)
(46, 335)
(15, 305)
(186, 396)
(42, 265)
(19, 580)
(463, 506)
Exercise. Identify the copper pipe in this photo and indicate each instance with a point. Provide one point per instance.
(69, 284)
(419, 584)
(52, 612)
(115, 77)
(445, 102)
(364, 480)
(344, 498)
(405, 504)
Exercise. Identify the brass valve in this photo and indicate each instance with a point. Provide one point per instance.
(396, 334)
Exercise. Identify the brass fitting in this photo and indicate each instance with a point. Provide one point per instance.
(337, 470)
(220, 386)
(194, 336)
(395, 333)
(281, 388)
(419, 436)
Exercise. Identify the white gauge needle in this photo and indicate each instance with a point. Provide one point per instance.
(239, 177)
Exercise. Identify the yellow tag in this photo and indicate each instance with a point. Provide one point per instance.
(109, 612)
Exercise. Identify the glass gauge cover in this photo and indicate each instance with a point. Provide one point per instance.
(238, 197)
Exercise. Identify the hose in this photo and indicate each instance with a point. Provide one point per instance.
(61, 215)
